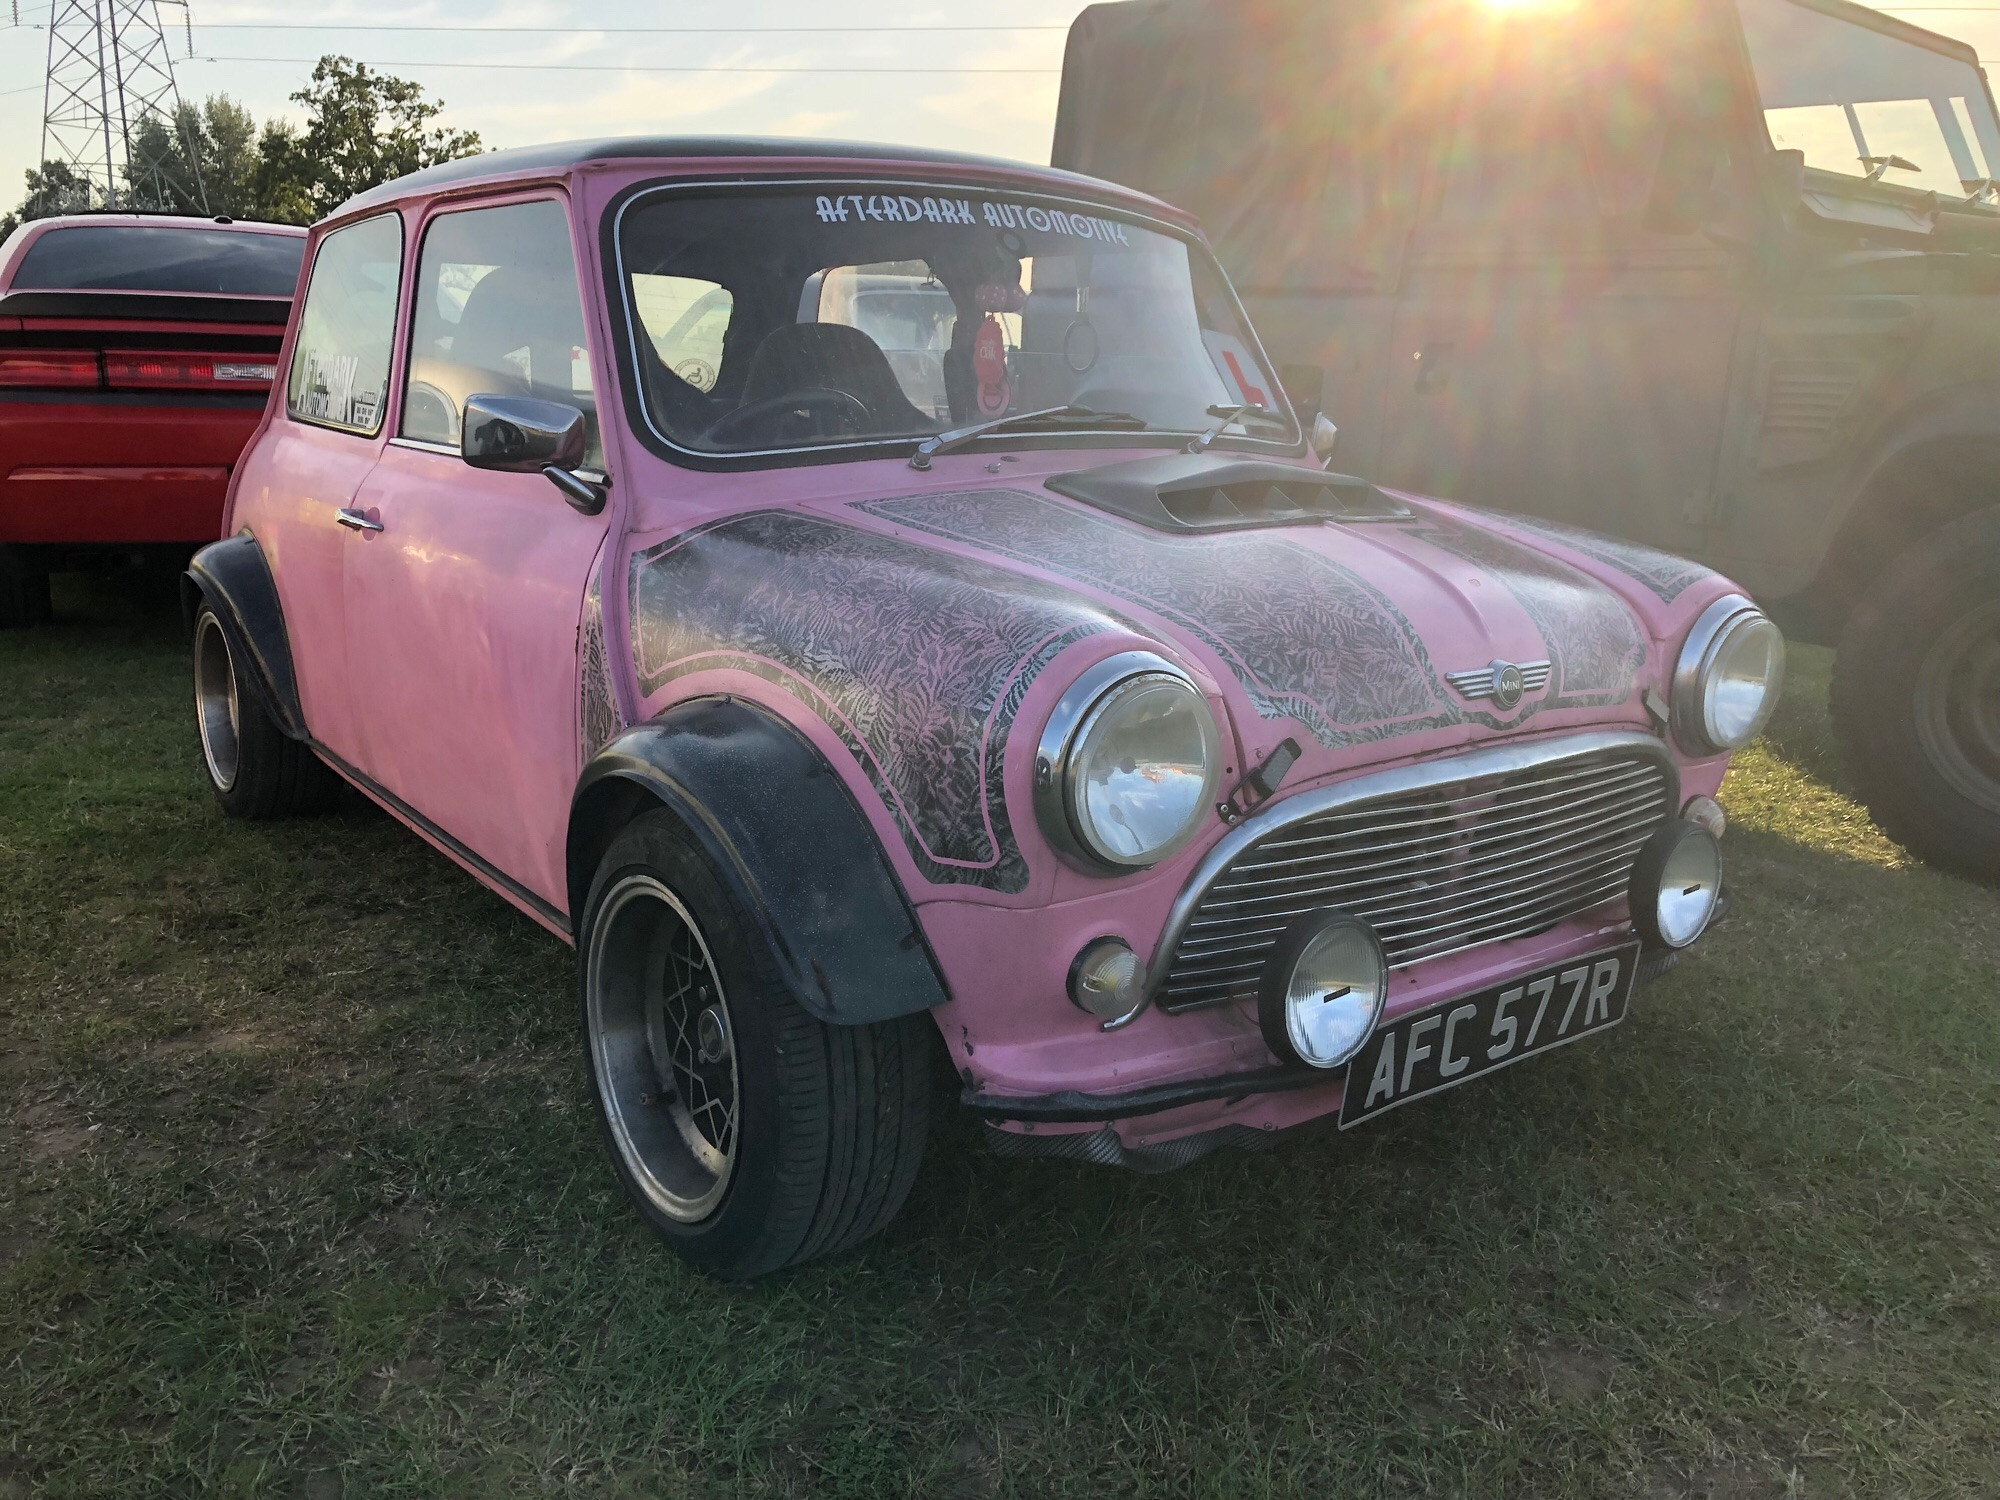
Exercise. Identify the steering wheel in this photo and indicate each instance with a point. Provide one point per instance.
(811, 412)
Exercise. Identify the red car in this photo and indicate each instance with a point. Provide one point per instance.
(136, 354)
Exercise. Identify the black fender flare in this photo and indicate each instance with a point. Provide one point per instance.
(781, 827)
(232, 578)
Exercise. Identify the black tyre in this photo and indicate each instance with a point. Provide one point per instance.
(24, 588)
(749, 1134)
(255, 769)
(1916, 698)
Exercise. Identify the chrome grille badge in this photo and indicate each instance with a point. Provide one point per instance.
(1503, 682)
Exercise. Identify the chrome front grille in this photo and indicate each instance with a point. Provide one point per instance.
(1442, 858)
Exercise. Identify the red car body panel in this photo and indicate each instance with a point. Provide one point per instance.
(143, 452)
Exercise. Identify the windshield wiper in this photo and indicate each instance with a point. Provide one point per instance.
(1249, 411)
(1052, 416)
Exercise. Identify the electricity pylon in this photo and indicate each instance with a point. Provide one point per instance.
(109, 69)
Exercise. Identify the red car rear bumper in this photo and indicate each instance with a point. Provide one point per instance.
(92, 470)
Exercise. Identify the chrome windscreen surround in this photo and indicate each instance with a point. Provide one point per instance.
(1581, 807)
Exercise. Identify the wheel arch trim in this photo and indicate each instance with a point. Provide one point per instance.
(232, 578)
(782, 829)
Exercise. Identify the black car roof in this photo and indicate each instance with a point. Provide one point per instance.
(562, 156)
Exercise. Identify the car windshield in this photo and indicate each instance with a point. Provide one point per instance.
(785, 317)
(1863, 103)
(159, 258)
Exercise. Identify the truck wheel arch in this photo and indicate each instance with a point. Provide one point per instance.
(1941, 465)
(781, 826)
(232, 577)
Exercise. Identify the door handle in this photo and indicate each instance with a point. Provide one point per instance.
(353, 520)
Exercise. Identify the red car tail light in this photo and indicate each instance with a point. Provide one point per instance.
(143, 370)
(65, 368)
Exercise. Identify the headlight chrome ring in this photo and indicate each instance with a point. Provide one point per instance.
(1109, 816)
(1729, 631)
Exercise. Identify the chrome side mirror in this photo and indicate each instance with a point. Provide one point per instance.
(519, 436)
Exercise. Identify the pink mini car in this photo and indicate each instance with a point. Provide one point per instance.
(882, 606)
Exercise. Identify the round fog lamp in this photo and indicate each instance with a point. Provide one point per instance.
(1323, 990)
(1107, 980)
(1676, 885)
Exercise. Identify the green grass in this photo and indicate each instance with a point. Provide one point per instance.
(300, 1194)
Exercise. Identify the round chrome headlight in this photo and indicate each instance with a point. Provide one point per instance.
(1128, 763)
(1730, 674)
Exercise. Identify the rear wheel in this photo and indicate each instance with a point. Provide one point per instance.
(255, 770)
(750, 1135)
(24, 588)
(1916, 698)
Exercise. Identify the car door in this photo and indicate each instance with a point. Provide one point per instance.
(1566, 335)
(463, 609)
(305, 473)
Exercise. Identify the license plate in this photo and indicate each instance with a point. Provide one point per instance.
(1460, 1040)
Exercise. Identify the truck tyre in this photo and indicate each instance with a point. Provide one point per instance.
(750, 1135)
(256, 771)
(1916, 698)
(24, 588)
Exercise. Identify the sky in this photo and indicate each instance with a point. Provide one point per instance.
(978, 90)
(931, 81)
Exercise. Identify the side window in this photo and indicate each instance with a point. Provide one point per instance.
(496, 313)
(687, 320)
(340, 361)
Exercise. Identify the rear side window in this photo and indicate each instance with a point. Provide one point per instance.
(142, 258)
(340, 361)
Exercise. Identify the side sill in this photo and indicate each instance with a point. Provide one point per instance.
(543, 911)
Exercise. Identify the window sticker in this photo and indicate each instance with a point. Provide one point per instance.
(901, 208)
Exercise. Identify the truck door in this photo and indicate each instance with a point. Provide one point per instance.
(1564, 341)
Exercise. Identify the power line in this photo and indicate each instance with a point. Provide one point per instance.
(619, 30)
(631, 67)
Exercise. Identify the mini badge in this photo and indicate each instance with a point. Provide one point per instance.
(1503, 683)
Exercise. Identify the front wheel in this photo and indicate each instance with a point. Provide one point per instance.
(1916, 698)
(750, 1135)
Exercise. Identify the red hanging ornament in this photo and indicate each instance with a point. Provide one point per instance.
(989, 368)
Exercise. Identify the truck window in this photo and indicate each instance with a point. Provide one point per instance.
(1864, 103)
(496, 313)
(906, 310)
(340, 358)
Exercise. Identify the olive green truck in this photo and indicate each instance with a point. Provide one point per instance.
(1717, 276)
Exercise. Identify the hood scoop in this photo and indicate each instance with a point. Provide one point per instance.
(1201, 492)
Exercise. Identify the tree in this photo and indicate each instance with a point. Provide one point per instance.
(54, 188)
(362, 129)
(203, 161)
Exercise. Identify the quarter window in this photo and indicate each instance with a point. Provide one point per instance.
(340, 360)
(497, 314)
